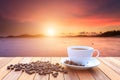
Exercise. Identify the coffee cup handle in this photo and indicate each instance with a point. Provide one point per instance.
(98, 53)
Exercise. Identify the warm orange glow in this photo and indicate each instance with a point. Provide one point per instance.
(50, 28)
(58, 17)
(50, 32)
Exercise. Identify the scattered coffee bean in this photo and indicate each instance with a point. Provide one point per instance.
(42, 68)
(23, 70)
(8, 67)
(55, 74)
(72, 63)
(12, 67)
(17, 69)
(65, 71)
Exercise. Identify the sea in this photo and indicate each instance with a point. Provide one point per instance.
(57, 47)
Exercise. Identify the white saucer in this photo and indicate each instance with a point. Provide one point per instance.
(92, 63)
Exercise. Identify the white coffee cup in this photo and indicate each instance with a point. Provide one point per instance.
(81, 54)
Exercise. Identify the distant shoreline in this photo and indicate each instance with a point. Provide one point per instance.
(113, 33)
(65, 37)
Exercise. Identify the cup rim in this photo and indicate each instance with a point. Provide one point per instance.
(86, 47)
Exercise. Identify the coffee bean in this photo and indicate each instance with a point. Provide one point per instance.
(8, 67)
(17, 69)
(23, 70)
(55, 74)
(31, 72)
(65, 71)
(11, 65)
(12, 68)
(71, 63)
(62, 67)
(57, 64)
(41, 73)
(42, 68)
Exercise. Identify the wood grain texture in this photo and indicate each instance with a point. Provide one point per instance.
(15, 75)
(109, 69)
(83, 73)
(111, 64)
(4, 71)
(42, 77)
(26, 76)
(113, 61)
(4, 61)
(72, 75)
(98, 74)
(60, 76)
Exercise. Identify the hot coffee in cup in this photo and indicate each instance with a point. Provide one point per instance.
(81, 54)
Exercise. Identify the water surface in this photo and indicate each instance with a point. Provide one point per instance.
(56, 46)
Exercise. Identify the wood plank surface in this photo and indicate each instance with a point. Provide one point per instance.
(60, 75)
(72, 75)
(98, 74)
(26, 76)
(109, 69)
(4, 71)
(113, 61)
(83, 73)
(4, 61)
(15, 75)
(2, 58)
(112, 64)
(42, 77)
(118, 58)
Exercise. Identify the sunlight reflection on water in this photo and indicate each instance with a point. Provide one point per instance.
(56, 46)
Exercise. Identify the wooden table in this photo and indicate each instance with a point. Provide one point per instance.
(109, 69)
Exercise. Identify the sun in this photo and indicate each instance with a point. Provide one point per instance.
(50, 29)
(51, 32)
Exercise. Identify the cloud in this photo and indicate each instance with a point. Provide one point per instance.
(101, 9)
(16, 15)
(13, 27)
(35, 10)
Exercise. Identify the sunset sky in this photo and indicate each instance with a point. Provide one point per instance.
(58, 16)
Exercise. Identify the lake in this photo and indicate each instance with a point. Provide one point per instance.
(108, 46)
